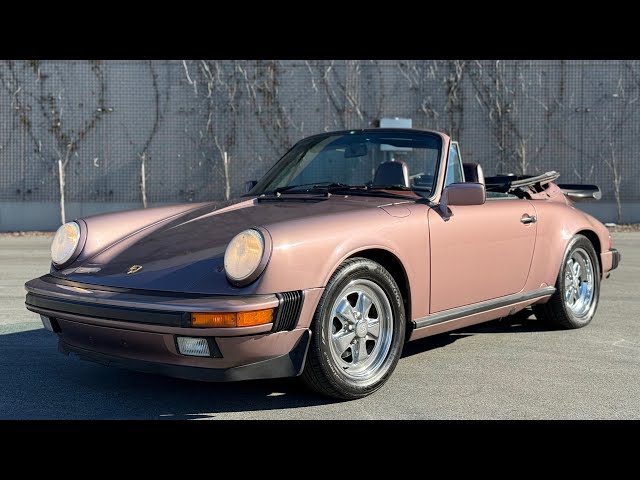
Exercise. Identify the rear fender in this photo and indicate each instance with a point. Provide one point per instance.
(558, 223)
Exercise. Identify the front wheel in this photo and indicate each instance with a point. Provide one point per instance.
(358, 331)
(574, 303)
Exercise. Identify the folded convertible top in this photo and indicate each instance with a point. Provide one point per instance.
(522, 185)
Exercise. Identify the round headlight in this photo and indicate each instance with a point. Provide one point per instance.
(243, 256)
(65, 243)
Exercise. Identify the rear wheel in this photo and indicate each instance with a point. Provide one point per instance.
(358, 332)
(574, 303)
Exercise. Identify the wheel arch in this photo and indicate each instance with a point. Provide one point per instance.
(556, 311)
(595, 241)
(395, 267)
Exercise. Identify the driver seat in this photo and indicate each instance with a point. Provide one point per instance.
(395, 172)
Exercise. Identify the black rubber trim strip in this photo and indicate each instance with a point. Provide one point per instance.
(291, 199)
(481, 307)
(288, 365)
(615, 258)
(134, 315)
(136, 291)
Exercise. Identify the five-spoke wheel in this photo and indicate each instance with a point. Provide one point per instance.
(357, 331)
(360, 328)
(577, 287)
(578, 282)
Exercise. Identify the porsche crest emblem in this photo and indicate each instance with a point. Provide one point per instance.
(134, 269)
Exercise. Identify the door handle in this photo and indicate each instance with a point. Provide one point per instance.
(526, 218)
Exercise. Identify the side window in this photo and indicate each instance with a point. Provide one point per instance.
(454, 165)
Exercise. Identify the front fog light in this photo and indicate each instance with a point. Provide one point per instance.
(195, 347)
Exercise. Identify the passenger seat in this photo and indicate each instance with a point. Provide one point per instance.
(392, 173)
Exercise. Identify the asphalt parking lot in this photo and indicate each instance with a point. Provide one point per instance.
(510, 369)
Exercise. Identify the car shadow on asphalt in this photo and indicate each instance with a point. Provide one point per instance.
(37, 382)
(522, 322)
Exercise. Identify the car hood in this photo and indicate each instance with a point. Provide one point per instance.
(186, 253)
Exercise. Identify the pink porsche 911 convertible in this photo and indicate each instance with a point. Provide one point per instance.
(352, 244)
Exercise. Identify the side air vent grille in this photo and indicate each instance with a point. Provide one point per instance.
(288, 311)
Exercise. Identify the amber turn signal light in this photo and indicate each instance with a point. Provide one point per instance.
(231, 319)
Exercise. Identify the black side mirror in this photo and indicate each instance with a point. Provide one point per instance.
(461, 194)
(249, 185)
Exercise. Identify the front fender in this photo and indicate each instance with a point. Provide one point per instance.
(306, 252)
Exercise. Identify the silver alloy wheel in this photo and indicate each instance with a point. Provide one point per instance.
(579, 282)
(360, 329)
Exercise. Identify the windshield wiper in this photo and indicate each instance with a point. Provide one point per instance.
(398, 187)
(328, 186)
(390, 187)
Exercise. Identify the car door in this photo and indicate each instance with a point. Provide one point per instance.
(482, 252)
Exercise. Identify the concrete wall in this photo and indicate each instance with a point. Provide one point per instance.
(43, 216)
(103, 120)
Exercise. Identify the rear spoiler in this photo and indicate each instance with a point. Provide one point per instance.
(580, 193)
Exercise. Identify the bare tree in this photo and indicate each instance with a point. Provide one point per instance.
(612, 161)
(12, 83)
(453, 79)
(223, 96)
(614, 128)
(501, 91)
(67, 140)
(342, 92)
(225, 164)
(236, 89)
(157, 120)
(438, 85)
(496, 96)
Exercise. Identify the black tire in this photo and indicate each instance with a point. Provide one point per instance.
(556, 311)
(323, 372)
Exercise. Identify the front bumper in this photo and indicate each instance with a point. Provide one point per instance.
(137, 329)
(287, 365)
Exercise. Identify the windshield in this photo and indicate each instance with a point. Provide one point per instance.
(357, 161)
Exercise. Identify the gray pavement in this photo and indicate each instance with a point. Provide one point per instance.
(513, 369)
